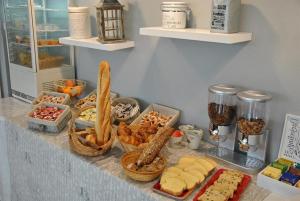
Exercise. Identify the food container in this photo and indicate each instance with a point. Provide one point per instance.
(50, 126)
(81, 123)
(121, 106)
(289, 149)
(225, 16)
(66, 98)
(90, 99)
(175, 15)
(79, 22)
(222, 104)
(253, 112)
(164, 110)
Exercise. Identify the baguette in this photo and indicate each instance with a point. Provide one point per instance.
(103, 108)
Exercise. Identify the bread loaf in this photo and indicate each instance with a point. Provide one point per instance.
(103, 109)
(154, 147)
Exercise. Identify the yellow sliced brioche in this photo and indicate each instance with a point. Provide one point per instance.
(190, 180)
(198, 167)
(167, 175)
(174, 186)
(183, 165)
(211, 161)
(187, 159)
(206, 164)
(175, 170)
(200, 177)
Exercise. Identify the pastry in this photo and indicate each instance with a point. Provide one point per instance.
(272, 172)
(136, 134)
(103, 124)
(46, 113)
(289, 178)
(51, 99)
(154, 147)
(298, 184)
(155, 118)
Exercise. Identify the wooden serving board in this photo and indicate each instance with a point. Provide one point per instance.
(236, 197)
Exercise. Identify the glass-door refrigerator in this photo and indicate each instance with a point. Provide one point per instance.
(36, 58)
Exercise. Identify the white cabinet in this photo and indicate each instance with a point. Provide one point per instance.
(33, 29)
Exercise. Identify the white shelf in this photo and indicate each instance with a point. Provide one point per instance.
(197, 34)
(94, 44)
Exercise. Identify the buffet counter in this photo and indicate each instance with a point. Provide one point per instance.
(38, 166)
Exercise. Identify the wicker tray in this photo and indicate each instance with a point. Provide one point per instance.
(85, 150)
(50, 126)
(56, 85)
(67, 100)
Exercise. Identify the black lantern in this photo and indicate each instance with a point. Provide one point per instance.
(110, 20)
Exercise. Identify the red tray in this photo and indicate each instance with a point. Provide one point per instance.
(242, 186)
(156, 188)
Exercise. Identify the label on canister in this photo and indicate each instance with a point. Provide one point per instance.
(174, 20)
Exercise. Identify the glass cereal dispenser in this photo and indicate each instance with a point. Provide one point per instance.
(252, 119)
(222, 111)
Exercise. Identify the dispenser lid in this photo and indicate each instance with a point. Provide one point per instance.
(225, 89)
(290, 140)
(254, 96)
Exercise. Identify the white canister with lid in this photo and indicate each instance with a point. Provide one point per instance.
(79, 22)
(175, 15)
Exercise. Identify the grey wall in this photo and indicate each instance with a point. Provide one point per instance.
(178, 72)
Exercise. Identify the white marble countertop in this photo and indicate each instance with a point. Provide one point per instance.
(14, 112)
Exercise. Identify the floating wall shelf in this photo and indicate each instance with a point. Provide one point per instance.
(197, 34)
(94, 44)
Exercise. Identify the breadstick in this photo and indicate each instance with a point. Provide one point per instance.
(103, 126)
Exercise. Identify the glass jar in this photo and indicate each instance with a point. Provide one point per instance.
(175, 15)
(222, 104)
(253, 112)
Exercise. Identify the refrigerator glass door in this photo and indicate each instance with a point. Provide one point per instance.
(19, 34)
(51, 23)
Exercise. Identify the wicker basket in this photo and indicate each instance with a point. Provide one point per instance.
(132, 157)
(58, 84)
(126, 100)
(50, 126)
(78, 147)
(67, 100)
